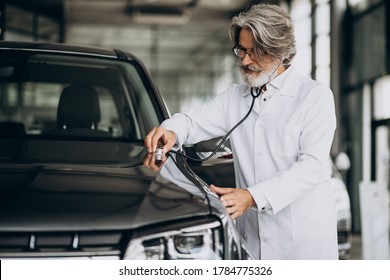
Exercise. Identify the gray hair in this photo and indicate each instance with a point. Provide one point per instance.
(272, 30)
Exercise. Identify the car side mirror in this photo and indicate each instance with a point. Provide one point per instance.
(342, 162)
(209, 146)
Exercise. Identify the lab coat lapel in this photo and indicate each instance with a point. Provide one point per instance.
(273, 105)
(287, 91)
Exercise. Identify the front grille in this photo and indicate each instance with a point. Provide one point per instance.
(61, 244)
(343, 237)
(343, 224)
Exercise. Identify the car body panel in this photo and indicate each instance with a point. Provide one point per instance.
(47, 198)
(344, 215)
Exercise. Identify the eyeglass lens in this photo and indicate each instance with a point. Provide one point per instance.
(241, 52)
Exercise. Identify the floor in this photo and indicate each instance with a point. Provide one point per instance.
(356, 247)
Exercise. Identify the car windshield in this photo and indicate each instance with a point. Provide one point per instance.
(67, 108)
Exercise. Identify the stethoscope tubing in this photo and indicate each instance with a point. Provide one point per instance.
(255, 92)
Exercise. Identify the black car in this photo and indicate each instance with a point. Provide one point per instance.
(72, 180)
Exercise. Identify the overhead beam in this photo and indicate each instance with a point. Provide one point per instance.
(2, 20)
(53, 9)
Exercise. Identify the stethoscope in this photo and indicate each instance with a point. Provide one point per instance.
(255, 92)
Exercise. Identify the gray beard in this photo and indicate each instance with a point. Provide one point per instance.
(255, 81)
(263, 78)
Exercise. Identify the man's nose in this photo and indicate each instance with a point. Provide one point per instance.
(246, 60)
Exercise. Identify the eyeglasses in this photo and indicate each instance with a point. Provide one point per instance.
(241, 52)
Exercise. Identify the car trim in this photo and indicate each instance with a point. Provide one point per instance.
(8, 255)
(59, 51)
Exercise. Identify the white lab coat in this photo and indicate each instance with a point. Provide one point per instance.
(281, 154)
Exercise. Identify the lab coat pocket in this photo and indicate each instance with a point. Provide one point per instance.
(288, 140)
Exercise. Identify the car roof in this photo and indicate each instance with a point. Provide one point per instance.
(63, 48)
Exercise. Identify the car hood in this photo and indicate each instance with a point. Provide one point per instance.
(77, 197)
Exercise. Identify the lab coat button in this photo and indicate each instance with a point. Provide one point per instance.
(265, 240)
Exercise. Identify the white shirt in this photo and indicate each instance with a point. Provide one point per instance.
(281, 155)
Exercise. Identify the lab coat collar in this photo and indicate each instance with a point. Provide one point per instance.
(279, 81)
(288, 87)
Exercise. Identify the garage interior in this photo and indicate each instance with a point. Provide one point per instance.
(185, 46)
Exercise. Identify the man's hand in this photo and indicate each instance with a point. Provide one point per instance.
(160, 137)
(151, 162)
(236, 201)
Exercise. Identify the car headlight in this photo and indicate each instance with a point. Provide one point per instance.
(202, 241)
(342, 201)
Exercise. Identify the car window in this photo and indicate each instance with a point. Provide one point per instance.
(37, 108)
(57, 97)
(31, 93)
